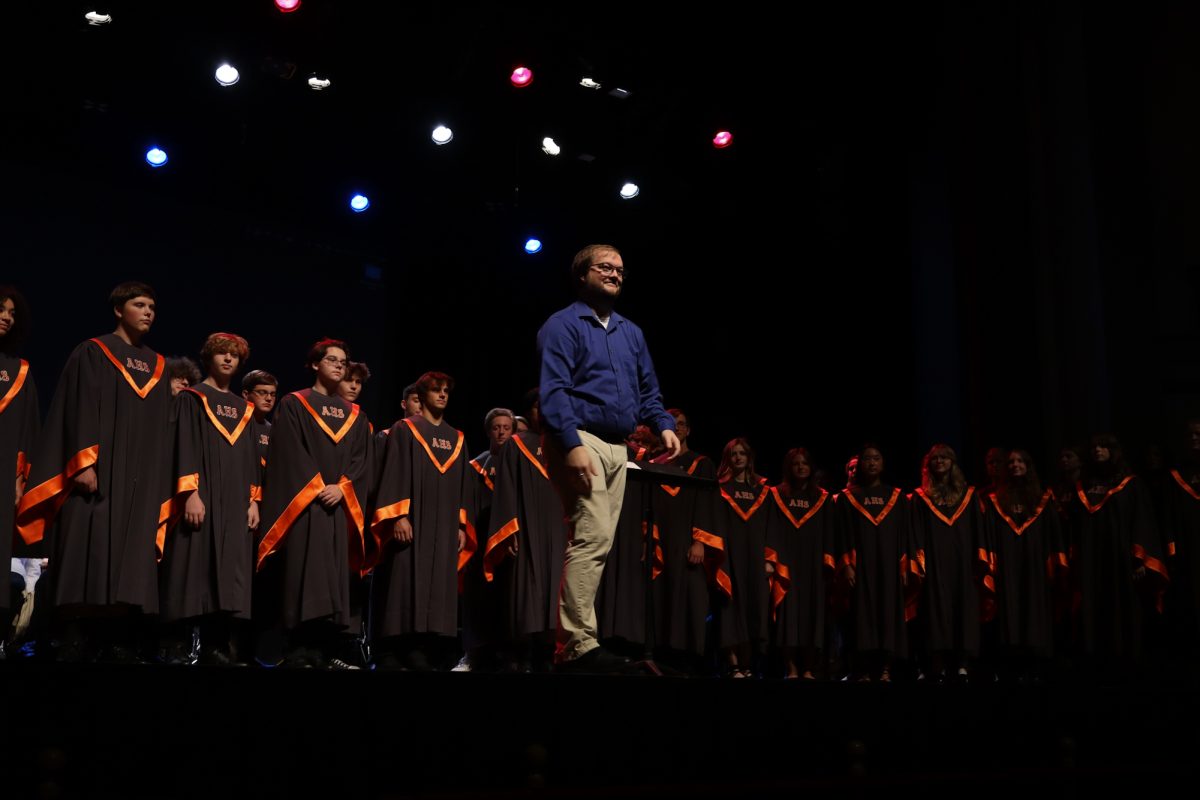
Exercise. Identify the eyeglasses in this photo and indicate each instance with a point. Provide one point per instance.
(608, 269)
(341, 362)
(263, 392)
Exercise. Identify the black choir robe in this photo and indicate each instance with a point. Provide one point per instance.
(681, 589)
(209, 569)
(874, 533)
(621, 596)
(1030, 558)
(481, 625)
(526, 509)
(1112, 534)
(801, 544)
(739, 518)
(950, 561)
(1181, 529)
(110, 411)
(317, 440)
(425, 477)
(20, 422)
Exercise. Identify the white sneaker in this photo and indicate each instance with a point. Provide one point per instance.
(463, 665)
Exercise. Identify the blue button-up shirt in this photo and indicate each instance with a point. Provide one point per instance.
(596, 379)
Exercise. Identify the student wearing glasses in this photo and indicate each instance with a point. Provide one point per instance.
(597, 383)
(311, 511)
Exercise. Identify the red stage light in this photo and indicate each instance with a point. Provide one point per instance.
(287, 5)
(722, 140)
(521, 77)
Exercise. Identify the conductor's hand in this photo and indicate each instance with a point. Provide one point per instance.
(330, 496)
(402, 531)
(86, 481)
(580, 470)
(696, 553)
(671, 441)
(193, 510)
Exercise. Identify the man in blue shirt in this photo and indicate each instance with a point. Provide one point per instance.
(597, 384)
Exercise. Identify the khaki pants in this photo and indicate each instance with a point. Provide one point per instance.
(593, 523)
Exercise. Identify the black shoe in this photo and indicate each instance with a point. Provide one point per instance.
(339, 664)
(596, 661)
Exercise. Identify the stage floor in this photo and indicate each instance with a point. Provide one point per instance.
(184, 732)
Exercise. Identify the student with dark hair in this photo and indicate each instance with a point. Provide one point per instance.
(524, 550)
(875, 534)
(182, 372)
(801, 542)
(424, 532)
(482, 631)
(1118, 559)
(312, 514)
(356, 377)
(208, 547)
(260, 389)
(19, 424)
(99, 480)
(410, 403)
(1025, 532)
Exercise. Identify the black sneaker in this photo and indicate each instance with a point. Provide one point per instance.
(596, 661)
(339, 664)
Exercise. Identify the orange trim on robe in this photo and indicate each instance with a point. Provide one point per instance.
(15, 389)
(882, 514)
(1153, 564)
(472, 543)
(346, 426)
(532, 458)
(746, 515)
(31, 526)
(429, 451)
(717, 573)
(658, 563)
(150, 384)
(356, 521)
(674, 490)
(487, 481)
(172, 508)
(232, 438)
(1093, 509)
(1187, 487)
(780, 580)
(1047, 496)
(493, 554)
(256, 493)
(962, 506)
(288, 518)
(798, 523)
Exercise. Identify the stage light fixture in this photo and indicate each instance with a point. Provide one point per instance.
(156, 156)
(533, 246)
(359, 203)
(287, 6)
(630, 191)
(227, 75)
(588, 83)
(442, 135)
(521, 77)
(722, 140)
(318, 84)
(96, 18)
(550, 147)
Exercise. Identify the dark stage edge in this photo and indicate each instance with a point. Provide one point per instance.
(191, 732)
